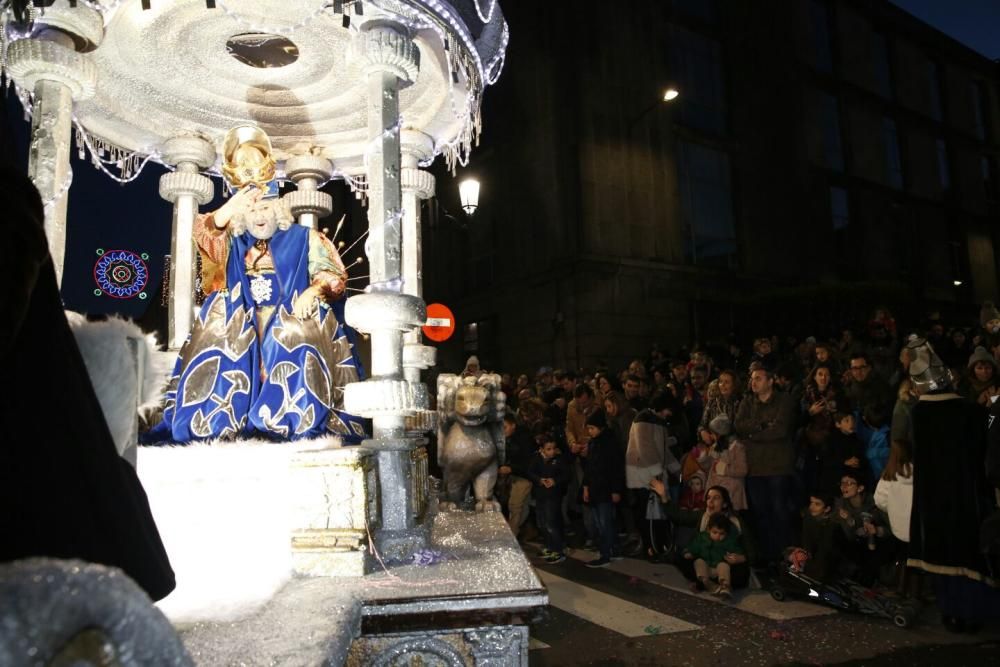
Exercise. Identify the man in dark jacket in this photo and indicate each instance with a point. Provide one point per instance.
(603, 484)
(764, 423)
(514, 475)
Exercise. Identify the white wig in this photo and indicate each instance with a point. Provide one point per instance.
(282, 211)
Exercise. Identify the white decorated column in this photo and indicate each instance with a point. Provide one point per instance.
(389, 59)
(48, 64)
(308, 204)
(416, 184)
(186, 188)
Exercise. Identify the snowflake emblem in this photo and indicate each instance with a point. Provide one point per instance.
(260, 289)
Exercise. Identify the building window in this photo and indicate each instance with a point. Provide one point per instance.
(893, 160)
(840, 210)
(819, 15)
(944, 167)
(934, 83)
(980, 110)
(988, 165)
(706, 205)
(880, 61)
(699, 9)
(833, 150)
(696, 61)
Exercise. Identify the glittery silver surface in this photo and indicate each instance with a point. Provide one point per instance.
(166, 70)
(47, 603)
(314, 621)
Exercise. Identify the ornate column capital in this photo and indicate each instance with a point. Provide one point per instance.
(189, 153)
(385, 311)
(83, 24)
(416, 144)
(188, 148)
(309, 201)
(308, 170)
(176, 184)
(418, 181)
(32, 60)
(384, 46)
(374, 398)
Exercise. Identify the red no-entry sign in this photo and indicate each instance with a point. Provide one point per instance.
(440, 323)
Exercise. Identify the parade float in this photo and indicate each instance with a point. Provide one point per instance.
(300, 549)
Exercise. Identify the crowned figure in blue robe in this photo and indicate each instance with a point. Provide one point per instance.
(268, 354)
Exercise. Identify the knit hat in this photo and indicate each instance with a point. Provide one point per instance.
(598, 419)
(988, 312)
(980, 354)
(721, 425)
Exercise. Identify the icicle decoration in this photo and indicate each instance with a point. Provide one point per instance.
(128, 163)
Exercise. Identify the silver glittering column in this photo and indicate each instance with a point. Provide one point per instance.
(308, 204)
(48, 65)
(390, 60)
(186, 188)
(417, 184)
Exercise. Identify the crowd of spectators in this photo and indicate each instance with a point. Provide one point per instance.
(797, 454)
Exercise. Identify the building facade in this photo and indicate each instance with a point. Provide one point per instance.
(824, 157)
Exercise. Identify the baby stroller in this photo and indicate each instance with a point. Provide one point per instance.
(845, 595)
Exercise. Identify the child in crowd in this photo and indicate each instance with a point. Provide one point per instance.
(877, 451)
(844, 452)
(862, 527)
(603, 484)
(820, 538)
(711, 551)
(549, 474)
(727, 461)
(693, 495)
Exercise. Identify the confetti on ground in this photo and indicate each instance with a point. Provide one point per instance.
(652, 629)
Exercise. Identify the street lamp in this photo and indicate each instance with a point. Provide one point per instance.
(670, 94)
(468, 191)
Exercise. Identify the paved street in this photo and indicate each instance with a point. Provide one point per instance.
(636, 613)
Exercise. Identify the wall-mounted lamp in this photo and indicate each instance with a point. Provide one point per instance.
(468, 191)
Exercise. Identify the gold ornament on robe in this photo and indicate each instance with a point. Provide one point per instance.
(247, 158)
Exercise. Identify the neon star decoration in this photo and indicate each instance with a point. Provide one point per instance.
(121, 274)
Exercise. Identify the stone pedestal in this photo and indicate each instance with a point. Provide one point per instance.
(334, 507)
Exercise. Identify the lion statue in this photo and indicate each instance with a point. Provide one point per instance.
(470, 437)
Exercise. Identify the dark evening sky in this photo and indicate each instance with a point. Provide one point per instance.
(975, 23)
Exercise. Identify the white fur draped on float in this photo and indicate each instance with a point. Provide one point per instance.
(126, 369)
(223, 513)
